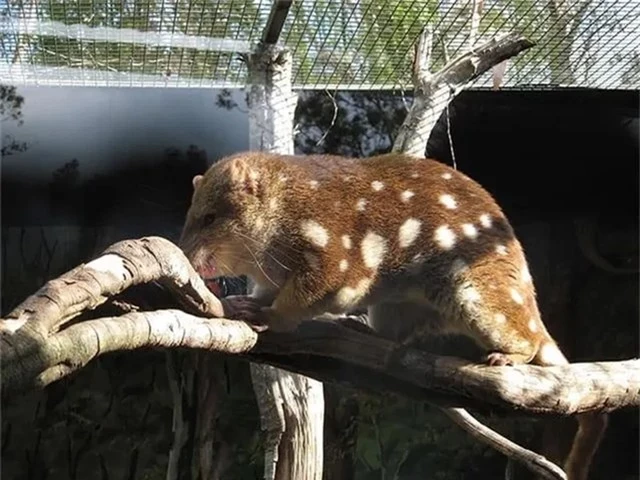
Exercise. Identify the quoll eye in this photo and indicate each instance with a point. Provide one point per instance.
(209, 219)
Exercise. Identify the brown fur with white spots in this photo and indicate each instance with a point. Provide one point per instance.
(423, 239)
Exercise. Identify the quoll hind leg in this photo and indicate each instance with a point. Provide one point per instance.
(505, 339)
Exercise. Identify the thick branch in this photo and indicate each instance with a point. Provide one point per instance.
(43, 350)
(121, 266)
(330, 351)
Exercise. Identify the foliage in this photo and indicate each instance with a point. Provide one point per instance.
(356, 125)
(11, 104)
(11, 109)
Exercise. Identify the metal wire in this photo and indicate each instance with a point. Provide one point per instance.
(336, 44)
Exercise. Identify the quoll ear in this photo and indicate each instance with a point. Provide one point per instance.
(246, 178)
(196, 181)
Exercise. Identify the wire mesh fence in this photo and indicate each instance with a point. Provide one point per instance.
(336, 44)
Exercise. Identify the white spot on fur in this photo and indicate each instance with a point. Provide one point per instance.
(533, 325)
(408, 232)
(550, 354)
(254, 175)
(485, 220)
(444, 237)
(109, 263)
(515, 295)
(500, 318)
(446, 176)
(283, 178)
(493, 287)
(526, 274)
(347, 178)
(373, 248)
(312, 259)
(346, 241)
(313, 184)
(468, 294)
(361, 204)
(406, 195)
(315, 233)
(469, 230)
(501, 250)
(377, 186)
(344, 264)
(273, 203)
(415, 175)
(448, 201)
(349, 296)
(259, 223)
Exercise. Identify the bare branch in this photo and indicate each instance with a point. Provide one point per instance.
(474, 24)
(341, 350)
(433, 92)
(35, 356)
(123, 265)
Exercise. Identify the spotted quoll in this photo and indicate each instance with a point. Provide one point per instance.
(392, 233)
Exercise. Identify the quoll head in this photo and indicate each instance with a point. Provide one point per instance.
(229, 216)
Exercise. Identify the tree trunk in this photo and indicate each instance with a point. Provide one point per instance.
(432, 94)
(291, 405)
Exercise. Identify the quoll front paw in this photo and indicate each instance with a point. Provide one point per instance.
(276, 322)
(245, 308)
(240, 307)
(497, 359)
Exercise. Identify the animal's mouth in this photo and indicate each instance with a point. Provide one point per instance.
(211, 277)
(217, 285)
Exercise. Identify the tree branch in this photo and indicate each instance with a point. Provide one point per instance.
(47, 348)
(329, 351)
(40, 344)
(433, 92)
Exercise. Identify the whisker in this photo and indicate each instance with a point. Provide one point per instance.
(275, 240)
(278, 261)
(288, 257)
(260, 265)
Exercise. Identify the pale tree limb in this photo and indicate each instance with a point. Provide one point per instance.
(537, 463)
(330, 351)
(474, 25)
(434, 91)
